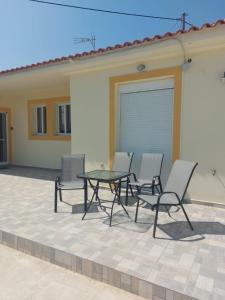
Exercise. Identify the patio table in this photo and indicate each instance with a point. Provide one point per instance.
(103, 176)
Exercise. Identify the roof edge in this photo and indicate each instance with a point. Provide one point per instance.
(110, 49)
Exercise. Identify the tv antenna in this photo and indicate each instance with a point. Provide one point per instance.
(82, 40)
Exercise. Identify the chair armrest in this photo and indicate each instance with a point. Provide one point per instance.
(146, 184)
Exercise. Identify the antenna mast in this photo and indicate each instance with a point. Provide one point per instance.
(91, 40)
(183, 20)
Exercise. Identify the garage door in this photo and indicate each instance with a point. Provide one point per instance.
(145, 121)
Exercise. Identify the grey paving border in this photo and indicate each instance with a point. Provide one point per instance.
(91, 269)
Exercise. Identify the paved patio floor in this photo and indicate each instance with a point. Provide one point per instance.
(38, 280)
(179, 260)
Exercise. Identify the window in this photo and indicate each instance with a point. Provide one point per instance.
(41, 127)
(49, 119)
(64, 119)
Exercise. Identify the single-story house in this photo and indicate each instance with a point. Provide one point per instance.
(160, 94)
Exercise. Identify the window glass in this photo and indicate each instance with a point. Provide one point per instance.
(61, 119)
(41, 120)
(1, 125)
(68, 119)
(44, 120)
(64, 119)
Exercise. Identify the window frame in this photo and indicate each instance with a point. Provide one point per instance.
(51, 119)
(64, 105)
(43, 126)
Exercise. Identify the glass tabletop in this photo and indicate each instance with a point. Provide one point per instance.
(104, 175)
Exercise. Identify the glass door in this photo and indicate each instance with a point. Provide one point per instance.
(3, 139)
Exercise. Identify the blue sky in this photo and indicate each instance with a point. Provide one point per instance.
(32, 32)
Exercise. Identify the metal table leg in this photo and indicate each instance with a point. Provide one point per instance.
(117, 196)
(95, 195)
(85, 195)
(56, 193)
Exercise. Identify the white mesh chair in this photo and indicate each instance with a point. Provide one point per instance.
(122, 163)
(174, 190)
(71, 166)
(150, 172)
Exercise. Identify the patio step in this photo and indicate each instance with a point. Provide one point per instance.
(90, 268)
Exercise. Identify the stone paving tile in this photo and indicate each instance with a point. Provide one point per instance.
(181, 260)
(25, 277)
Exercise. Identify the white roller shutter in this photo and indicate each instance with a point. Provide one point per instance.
(145, 121)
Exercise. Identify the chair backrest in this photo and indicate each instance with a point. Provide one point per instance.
(151, 165)
(180, 177)
(122, 161)
(71, 166)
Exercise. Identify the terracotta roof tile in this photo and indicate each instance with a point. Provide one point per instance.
(101, 51)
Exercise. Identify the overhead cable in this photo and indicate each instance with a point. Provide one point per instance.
(106, 11)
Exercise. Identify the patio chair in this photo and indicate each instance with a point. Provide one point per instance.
(122, 163)
(174, 191)
(71, 166)
(150, 172)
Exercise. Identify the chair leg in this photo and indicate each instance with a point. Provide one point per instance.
(160, 185)
(156, 189)
(119, 194)
(55, 202)
(60, 195)
(130, 187)
(126, 201)
(138, 189)
(168, 211)
(136, 214)
(186, 216)
(153, 189)
(131, 191)
(156, 218)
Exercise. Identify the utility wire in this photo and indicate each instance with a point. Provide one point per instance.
(189, 24)
(107, 11)
(174, 25)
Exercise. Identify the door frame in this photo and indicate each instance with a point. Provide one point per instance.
(9, 131)
(115, 81)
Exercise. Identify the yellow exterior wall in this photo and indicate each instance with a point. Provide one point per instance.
(202, 118)
(35, 153)
(89, 98)
(203, 124)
